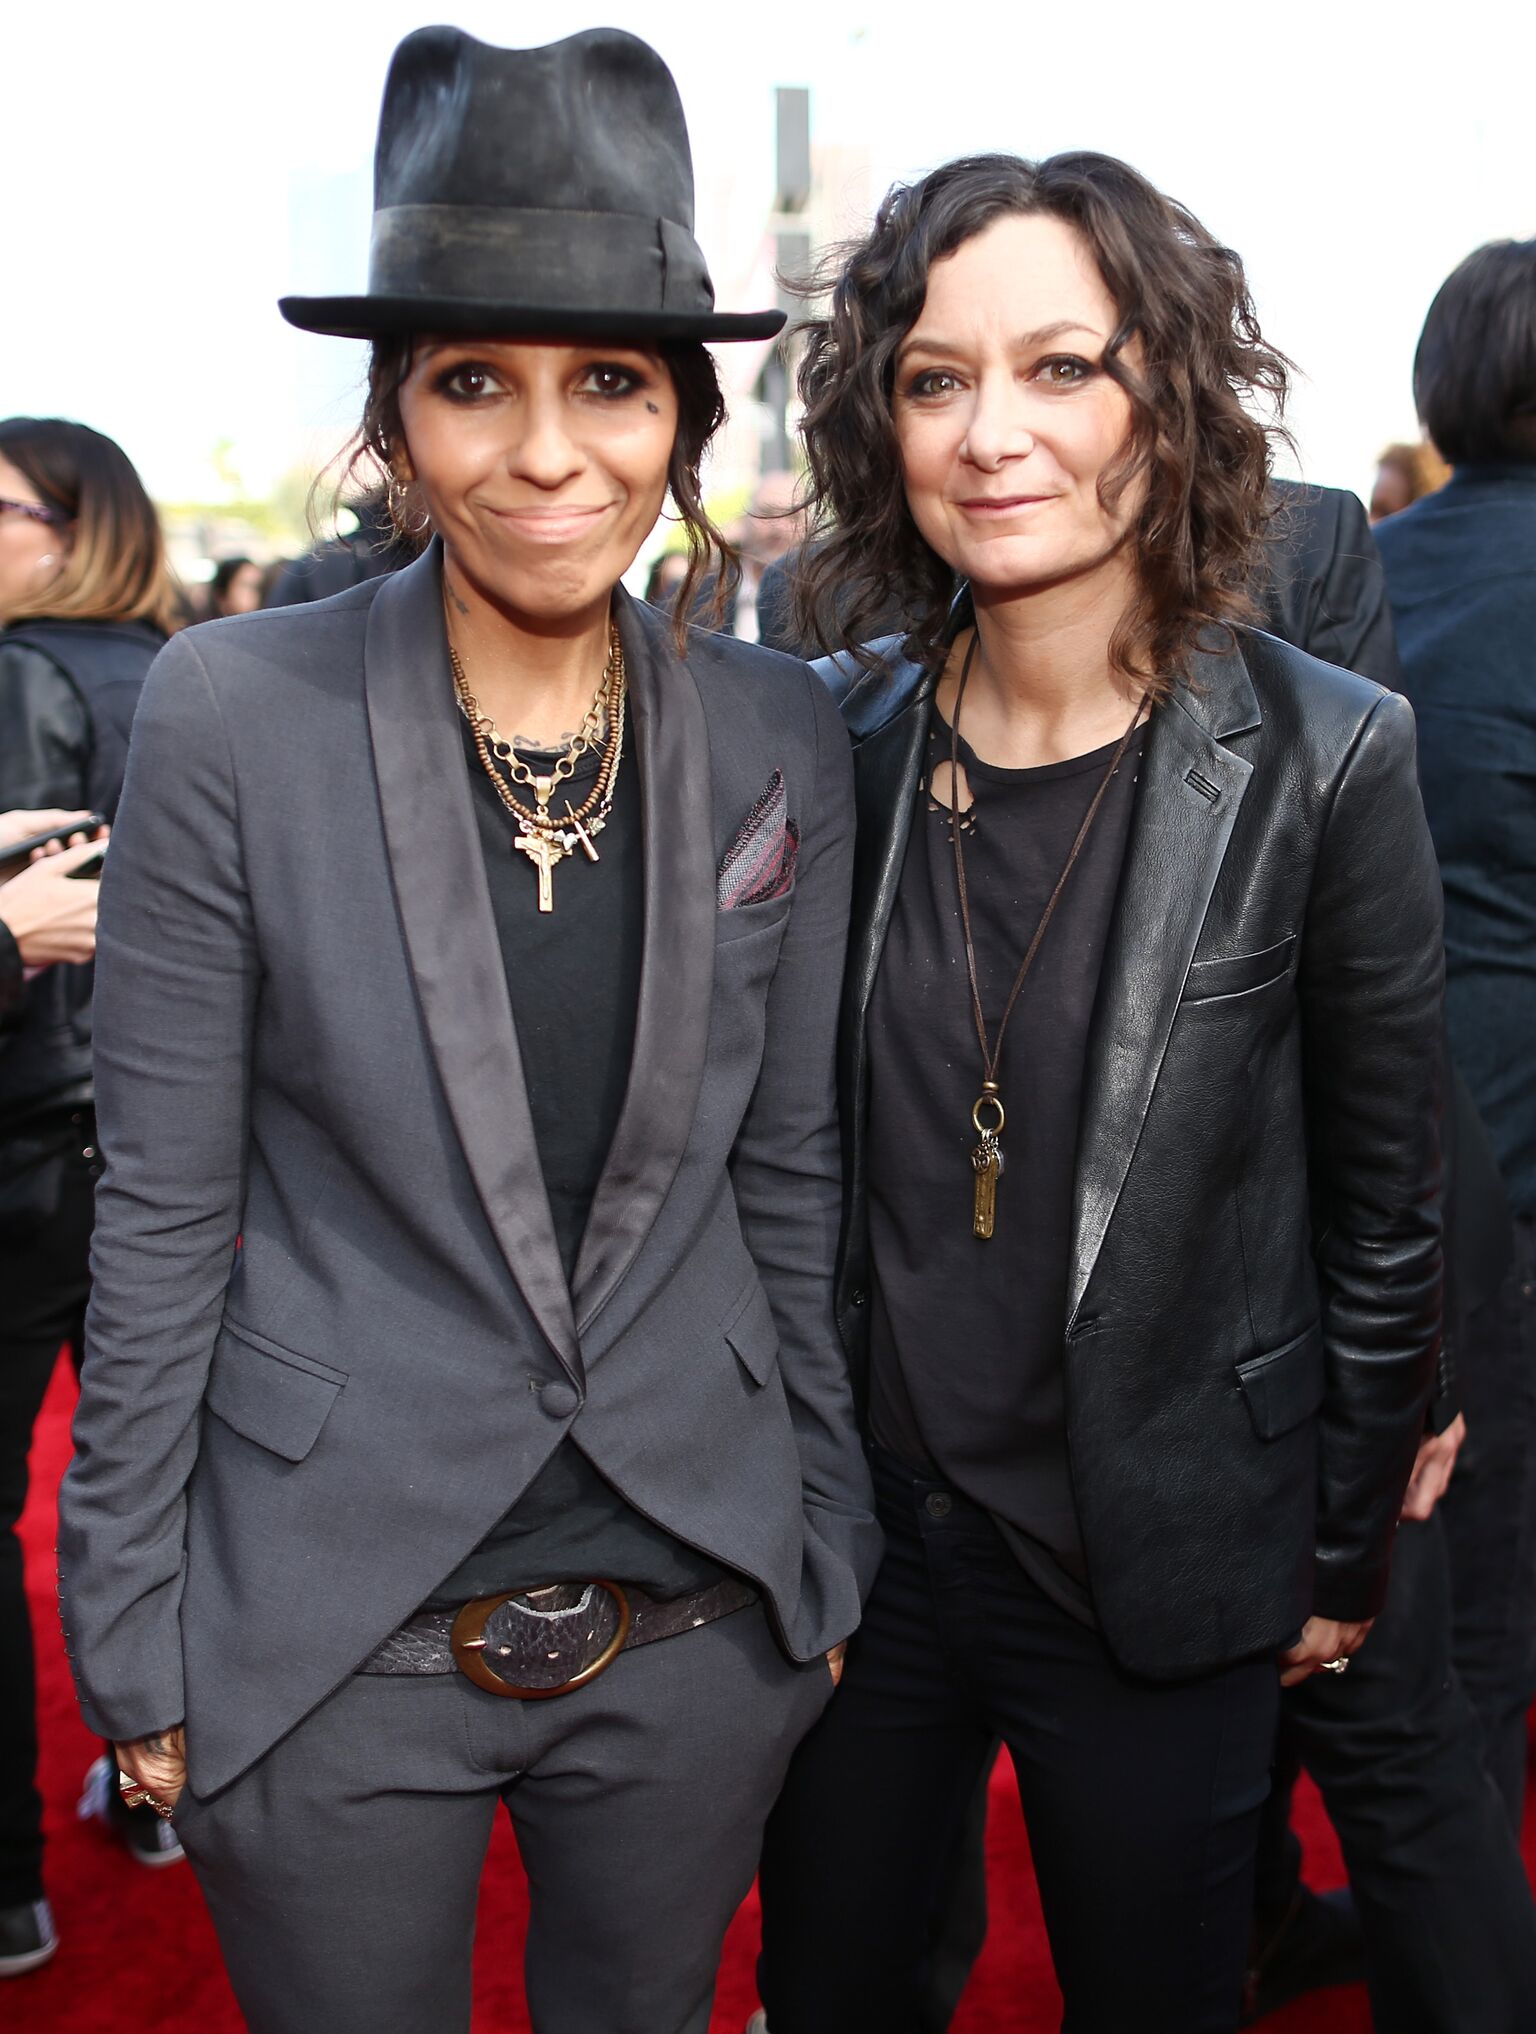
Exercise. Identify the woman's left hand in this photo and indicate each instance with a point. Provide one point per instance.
(1322, 1639)
(835, 1662)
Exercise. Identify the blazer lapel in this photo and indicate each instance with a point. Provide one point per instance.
(450, 933)
(677, 972)
(1187, 803)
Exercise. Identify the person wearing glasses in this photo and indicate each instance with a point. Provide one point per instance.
(86, 602)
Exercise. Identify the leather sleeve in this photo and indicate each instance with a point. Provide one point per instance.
(787, 1164)
(1371, 985)
(45, 733)
(1353, 623)
(176, 981)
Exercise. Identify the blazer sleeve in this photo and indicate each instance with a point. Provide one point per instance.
(176, 985)
(787, 1164)
(1371, 986)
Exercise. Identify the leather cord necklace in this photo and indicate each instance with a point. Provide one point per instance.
(988, 1116)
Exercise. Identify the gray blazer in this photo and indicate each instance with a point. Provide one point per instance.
(330, 1340)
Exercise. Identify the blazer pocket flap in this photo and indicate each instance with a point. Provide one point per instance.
(1236, 974)
(274, 1397)
(752, 1334)
(1284, 1386)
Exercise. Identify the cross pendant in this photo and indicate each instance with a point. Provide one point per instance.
(543, 852)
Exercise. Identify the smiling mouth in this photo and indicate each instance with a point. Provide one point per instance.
(550, 523)
(984, 506)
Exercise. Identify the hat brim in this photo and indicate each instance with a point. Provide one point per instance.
(379, 317)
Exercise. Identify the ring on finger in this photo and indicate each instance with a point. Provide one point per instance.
(1338, 1666)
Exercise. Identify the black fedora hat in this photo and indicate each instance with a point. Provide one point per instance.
(532, 191)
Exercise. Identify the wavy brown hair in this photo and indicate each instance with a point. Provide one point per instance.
(1202, 359)
(700, 413)
(115, 566)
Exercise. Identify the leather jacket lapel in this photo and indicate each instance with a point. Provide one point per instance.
(450, 933)
(671, 739)
(887, 765)
(1187, 803)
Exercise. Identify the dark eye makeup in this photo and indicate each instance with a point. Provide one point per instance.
(471, 381)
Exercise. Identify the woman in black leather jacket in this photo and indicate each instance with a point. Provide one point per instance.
(86, 600)
(1140, 1085)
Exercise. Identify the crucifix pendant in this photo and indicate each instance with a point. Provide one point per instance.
(987, 1160)
(543, 850)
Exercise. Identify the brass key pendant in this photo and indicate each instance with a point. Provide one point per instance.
(987, 1160)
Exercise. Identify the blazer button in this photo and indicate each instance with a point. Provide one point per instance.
(559, 1401)
(858, 1298)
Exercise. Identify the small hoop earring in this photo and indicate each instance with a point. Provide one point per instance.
(396, 502)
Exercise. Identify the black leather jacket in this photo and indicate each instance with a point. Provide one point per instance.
(1255, 1283)
(67, 696)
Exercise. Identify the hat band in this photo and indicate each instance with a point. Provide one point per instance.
(516, 259)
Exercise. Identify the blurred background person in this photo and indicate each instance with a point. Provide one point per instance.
(235, 588)
(666, 579)
(369, 551)
(773, 526)
(1404, 475)
(86, 600)
(1461, 577)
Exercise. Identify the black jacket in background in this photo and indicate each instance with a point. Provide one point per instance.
(68, 691)
(1322, 588)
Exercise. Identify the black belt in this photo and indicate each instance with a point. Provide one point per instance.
(534, 1643)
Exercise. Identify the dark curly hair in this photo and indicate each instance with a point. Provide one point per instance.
(1206, 458)
(700, 413)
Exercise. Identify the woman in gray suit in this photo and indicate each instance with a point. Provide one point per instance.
(463, 1413)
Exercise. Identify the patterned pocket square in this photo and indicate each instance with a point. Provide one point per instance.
(760, 862)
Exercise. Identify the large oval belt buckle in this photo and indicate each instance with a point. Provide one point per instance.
(514, 1628)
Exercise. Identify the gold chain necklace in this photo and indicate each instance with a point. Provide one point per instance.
(545, 837)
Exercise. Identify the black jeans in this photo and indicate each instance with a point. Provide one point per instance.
(1420, 1750)
(1142, 1800)
(1490, 1522)
(47, 1189)
(1396, 1751)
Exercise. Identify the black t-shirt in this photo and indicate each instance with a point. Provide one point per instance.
(966, 1356)
(574, 979)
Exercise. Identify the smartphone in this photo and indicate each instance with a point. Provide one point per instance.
(89, 870)
(19, 854)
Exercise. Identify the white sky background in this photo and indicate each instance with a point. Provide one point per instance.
(172, 169)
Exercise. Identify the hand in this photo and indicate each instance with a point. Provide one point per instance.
(19, 826)
(1322, 1638)
(51, 917)
(835, 1661)
(157, 1763)
(1432, 1469)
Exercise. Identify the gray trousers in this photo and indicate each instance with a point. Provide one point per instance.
(342, 1870)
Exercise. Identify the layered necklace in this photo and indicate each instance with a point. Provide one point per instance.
(545, 837)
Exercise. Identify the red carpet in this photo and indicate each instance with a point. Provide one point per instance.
(138, 1954)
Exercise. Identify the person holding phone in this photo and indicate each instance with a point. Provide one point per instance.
(47, 900)
(86, 601)
(463, 1419)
